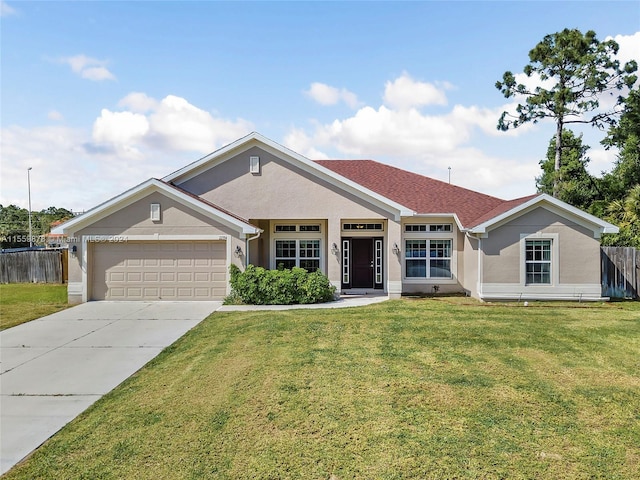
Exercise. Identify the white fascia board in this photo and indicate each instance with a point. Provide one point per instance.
(257, 140)
(584, 219)
(142, 190)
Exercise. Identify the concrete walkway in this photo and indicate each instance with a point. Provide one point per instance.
(54, 368)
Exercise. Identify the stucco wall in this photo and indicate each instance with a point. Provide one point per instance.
(579, 252)
(134, 220)
(281, 190)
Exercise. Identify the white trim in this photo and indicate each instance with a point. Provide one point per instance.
(436, 215)
(428, 236)
(514, 291)
(394, 287)
(595, 224)
(74, 288)
(254, 139)
(142, 190)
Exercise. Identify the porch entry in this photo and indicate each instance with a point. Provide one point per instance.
(362, 262)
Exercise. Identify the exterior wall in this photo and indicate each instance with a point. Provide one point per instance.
(177, 221)
(470, 267)
(575, 270)
(284, 192)
(280, 191)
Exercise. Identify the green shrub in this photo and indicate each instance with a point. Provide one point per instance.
(259, 286)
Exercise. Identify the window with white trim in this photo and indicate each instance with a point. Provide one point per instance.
(298, 253)
(297, 245)
(538, 260)
(427, 258)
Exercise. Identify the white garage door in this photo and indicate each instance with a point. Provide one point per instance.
(159, 271)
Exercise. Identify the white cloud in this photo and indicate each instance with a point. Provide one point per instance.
(629, 47)
(6, 10)
(55, 116)
(327, 95)
(399, 133)
(404, 93)
(182, 126)
(89, 68)
(172, 123)
(138, 102)
(79, 169)
(120, 131)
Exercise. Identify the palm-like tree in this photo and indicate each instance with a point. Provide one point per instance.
(626, 214)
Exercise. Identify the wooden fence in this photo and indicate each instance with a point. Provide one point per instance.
(620, 272)
(34, 266)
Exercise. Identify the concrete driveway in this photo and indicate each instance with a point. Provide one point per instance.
(53, 368)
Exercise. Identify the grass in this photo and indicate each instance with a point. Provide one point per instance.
(22, 302)
(429, 388)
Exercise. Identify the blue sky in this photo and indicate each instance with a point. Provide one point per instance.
(99, 96)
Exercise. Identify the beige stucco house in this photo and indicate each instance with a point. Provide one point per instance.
(368, 226)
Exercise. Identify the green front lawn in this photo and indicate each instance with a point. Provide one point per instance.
(434, 388)
(22, 302)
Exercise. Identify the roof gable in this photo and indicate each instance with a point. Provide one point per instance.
(521, 206)
(314, 168)
(142, 190)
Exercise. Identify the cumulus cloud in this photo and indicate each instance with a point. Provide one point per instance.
(171, 123)
(327, 95)
(145, 138)
(404, 92)
(89, 68)
(629, 47)
(400, 133)
(138, 102)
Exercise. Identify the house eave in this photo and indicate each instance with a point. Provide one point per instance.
(142, 190)
(595, 224)
(255, 139)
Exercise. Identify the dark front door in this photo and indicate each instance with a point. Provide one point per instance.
(362, 262)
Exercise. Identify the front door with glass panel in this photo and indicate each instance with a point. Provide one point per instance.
(362, 262)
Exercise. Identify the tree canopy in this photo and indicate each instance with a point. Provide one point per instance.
(14, 224)
(581, 70)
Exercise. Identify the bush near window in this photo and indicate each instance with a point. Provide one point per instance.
(259, 286)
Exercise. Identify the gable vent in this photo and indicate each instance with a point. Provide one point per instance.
(254, 164)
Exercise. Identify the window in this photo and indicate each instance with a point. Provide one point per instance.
(538, 262)
(428, 258)
(423, 227)
(285, 228)
(298, 253)
(362, 226)
(155, 212)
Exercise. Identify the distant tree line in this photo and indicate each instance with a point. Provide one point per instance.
(14, 224)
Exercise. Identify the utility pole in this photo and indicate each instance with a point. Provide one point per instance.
(449, 175)
(29, 185)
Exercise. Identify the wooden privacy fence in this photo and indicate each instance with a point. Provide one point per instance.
(620, 272)
(34, 266)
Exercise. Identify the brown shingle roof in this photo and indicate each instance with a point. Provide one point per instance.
(421, 194)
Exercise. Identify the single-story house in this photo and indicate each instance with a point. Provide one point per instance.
(368, 226)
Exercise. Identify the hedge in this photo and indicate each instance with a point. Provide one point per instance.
(259, 286)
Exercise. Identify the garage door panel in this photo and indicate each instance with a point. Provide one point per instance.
(159, 270)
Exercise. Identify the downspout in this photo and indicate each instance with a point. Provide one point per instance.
(246, 247)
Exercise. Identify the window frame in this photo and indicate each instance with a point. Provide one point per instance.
(299, 238)
(554, 262)
(414, 232)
